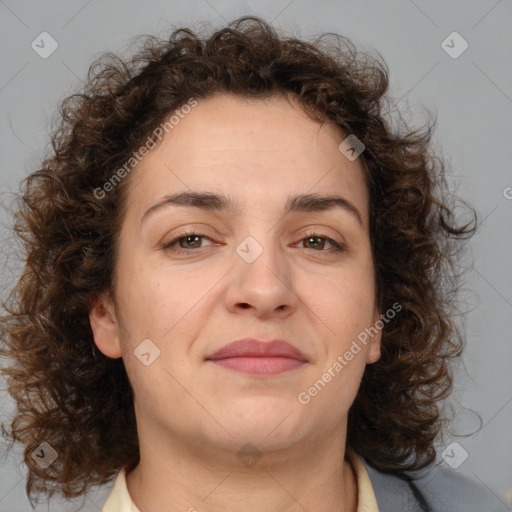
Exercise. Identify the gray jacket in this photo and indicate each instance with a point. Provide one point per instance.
(434, 490)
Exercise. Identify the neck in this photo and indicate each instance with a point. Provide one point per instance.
(300, 477)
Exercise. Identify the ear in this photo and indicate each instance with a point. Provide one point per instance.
(104, 326)
(374, 352)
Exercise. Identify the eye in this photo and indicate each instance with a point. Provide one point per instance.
(313, 239)
(187, 243)
(190, 242)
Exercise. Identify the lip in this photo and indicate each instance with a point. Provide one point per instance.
(259, 357)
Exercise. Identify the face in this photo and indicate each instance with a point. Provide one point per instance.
(193, 278)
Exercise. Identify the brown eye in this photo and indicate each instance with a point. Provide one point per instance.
(189, 241)
(317, 242)
(185, 243)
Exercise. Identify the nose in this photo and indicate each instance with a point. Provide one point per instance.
(261, 280)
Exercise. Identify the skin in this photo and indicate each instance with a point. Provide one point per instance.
(194, 416)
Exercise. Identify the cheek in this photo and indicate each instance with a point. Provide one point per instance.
(347, 302)
(153, 301)
(346, 309)
(167, 305)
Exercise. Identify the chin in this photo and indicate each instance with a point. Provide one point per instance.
(263, 419)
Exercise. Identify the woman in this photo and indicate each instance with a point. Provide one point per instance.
(238, 287)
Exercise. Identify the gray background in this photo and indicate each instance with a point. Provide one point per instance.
(472, 95)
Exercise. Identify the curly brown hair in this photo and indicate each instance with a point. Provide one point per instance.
(79, 400)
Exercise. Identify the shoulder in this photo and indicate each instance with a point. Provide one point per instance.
(435, 489)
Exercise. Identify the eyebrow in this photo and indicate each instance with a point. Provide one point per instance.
(209, 201)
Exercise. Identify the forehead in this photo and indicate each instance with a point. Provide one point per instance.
(258, 152)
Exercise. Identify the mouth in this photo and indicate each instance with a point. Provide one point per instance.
(257, 357)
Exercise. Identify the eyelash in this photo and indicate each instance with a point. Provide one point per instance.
(167, 246)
